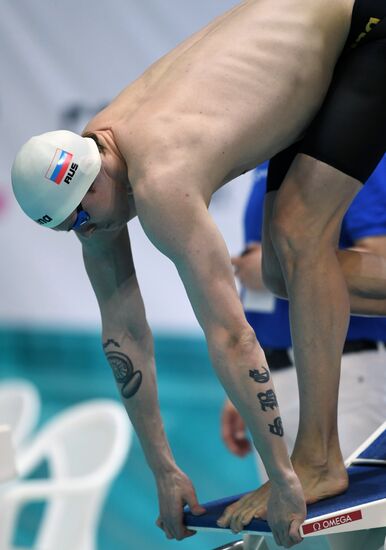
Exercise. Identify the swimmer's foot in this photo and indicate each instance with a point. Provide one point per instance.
(318, 483)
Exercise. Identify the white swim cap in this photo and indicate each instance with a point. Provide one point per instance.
(52, 173)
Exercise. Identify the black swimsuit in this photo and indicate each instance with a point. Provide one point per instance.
(349, 131)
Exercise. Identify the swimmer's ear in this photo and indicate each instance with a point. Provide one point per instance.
(91, 189)
(101, 147)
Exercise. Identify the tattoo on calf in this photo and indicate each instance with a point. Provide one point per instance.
(110, 341)
(260, 377)
(277, 427)
(124, 373)
(267, 400)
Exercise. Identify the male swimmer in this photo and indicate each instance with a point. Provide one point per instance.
(236, 93)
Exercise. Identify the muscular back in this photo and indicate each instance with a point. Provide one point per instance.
(233, 94)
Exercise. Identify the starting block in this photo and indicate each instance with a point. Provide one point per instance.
(361, 508)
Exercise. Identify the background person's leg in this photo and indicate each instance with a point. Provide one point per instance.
(305, 229)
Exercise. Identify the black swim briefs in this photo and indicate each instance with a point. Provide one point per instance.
(349, 131)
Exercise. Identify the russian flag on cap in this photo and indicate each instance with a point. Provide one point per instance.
(59, 166)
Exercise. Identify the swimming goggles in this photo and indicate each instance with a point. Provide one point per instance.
(81, 218)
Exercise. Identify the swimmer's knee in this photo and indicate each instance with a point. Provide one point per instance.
(292, 241)
(286, 237)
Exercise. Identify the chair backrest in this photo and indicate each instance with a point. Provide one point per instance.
(88, 439)
(19, 408)
(85, 446)
(7, 455)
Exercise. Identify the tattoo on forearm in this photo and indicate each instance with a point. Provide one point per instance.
(124, 373)
(267, 400)
(110, 341)
(260, 377)
(277, 427)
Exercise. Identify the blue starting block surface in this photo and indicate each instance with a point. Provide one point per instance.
(362, 506)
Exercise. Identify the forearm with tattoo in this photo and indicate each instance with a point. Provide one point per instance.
(267, 399)
(129, 380)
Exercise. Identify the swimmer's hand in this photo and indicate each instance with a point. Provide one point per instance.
(286, 512)
(174, 491)
(281, 504)
(234, 431)
(247, 267)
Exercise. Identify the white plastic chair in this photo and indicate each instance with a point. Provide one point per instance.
(7, 455)
(19, 408)
(85, 448)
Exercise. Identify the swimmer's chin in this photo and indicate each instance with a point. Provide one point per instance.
(115, 225)
(109, 227)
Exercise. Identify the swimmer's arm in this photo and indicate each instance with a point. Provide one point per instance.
(178, 223)
(127, 339)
